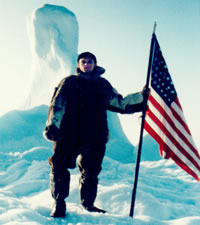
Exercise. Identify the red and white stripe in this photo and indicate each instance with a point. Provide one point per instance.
(168, 127)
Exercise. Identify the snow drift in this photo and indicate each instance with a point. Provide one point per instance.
(22, 130)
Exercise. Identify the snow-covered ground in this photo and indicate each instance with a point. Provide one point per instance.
(165, 194)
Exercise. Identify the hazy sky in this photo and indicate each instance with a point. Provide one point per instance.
(119, 33)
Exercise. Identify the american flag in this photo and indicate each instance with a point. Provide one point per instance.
(165, 121)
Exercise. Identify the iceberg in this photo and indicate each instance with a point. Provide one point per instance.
(53, 35)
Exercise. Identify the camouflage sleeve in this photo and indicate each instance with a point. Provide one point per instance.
(126, 105)
(57, 106)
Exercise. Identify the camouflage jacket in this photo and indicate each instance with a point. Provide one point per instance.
(80, 102)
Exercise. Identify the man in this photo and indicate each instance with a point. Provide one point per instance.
(77, 124)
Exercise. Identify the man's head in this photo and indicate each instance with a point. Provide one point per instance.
(86, 62)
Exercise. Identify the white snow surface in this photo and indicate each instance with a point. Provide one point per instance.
(165, 193)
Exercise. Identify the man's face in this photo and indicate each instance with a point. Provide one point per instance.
(86, 65)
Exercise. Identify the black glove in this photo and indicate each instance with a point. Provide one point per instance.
(146, 92)
(51, 133)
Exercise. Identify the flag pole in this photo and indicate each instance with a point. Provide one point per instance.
(152, 47)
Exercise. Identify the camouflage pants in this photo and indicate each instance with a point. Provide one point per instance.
(89, 164)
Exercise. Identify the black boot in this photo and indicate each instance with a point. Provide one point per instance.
(58, 209)
(94, 209)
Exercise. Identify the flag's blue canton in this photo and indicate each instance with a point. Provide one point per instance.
(160, 77)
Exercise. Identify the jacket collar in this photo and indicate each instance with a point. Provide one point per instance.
(96, 73)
